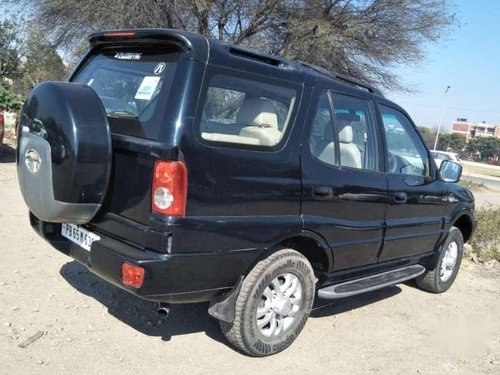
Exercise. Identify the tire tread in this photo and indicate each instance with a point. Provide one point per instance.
(234, 331)
(430, 281)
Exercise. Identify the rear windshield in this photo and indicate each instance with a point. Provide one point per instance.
(131, 82)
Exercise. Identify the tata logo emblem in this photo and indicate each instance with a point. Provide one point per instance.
(159, 68)
(33, 161)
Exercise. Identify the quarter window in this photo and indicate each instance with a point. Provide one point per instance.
(242, 111)
(406, 152)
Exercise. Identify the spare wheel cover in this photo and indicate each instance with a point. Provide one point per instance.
(64, 152)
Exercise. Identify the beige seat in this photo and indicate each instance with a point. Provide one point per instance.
(260, 121)
(328, 154)
(350, 156)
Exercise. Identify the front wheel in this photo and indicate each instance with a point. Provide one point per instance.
(441, 278)
(273, 305)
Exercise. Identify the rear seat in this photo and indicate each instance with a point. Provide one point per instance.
(230, 138)
(350, 156)
(256, 124)
(261, 117)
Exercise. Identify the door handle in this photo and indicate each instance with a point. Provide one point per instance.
(399, 197)
(322, 192)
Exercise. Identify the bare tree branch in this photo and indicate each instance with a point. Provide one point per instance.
(365, 38)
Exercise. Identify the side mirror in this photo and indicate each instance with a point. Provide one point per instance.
(450, 171)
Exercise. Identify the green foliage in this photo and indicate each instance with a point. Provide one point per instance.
(9, 101)
(26, 59)
(9, 56)
(487, 146)
(42, 63)
(486, 239)
(451, 141)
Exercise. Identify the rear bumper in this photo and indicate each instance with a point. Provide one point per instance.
(170, 278)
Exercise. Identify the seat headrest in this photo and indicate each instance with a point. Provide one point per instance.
(258, 112)
(346, 134)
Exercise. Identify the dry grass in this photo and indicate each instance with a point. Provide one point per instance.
(474, 186)
(486, 239)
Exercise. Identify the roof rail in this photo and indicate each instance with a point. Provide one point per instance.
(253, 55)
(342, 77)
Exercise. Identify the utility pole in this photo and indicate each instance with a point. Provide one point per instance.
(441, 118)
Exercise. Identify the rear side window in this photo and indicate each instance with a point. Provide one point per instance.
(345, 134)
(247, 112)
(130, 83)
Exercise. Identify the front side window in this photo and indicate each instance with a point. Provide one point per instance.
(406, 152)
(242, 111)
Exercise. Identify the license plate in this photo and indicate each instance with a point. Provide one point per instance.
(78, 235)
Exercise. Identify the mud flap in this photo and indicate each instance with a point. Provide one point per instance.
(224, 309)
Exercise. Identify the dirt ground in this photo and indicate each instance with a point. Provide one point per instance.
(88, 326)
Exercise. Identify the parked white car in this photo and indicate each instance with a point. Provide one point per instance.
(439, 156)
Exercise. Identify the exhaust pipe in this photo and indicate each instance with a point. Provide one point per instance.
(163, 310)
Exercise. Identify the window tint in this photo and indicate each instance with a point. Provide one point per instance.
(354, 124)
(407, 154)
(129, 82)
(321, 142)
(345, 135)
(242, 111)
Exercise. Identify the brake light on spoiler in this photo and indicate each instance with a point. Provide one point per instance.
(169, 188)
(119, 34)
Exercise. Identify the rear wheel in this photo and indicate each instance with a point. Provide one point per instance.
(441, 278)
(273, 305)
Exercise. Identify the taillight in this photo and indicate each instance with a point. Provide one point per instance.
(169, 188)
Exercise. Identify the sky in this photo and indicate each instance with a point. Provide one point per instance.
(468, 60)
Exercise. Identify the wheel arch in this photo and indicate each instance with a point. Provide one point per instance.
(309, 244)
(466, 225)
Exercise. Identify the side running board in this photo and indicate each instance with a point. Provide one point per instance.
(369, 283)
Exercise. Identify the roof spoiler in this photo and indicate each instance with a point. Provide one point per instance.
(181, 39)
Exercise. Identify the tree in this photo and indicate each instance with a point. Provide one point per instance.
(41, 63)
(453, 141)
(8, 100)
(9, 52)
(362, 38)
(486, 146)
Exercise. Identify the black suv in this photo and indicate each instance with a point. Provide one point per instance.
(183, 169)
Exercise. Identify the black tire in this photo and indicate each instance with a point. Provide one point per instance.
(434, 281)
(243, 332)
